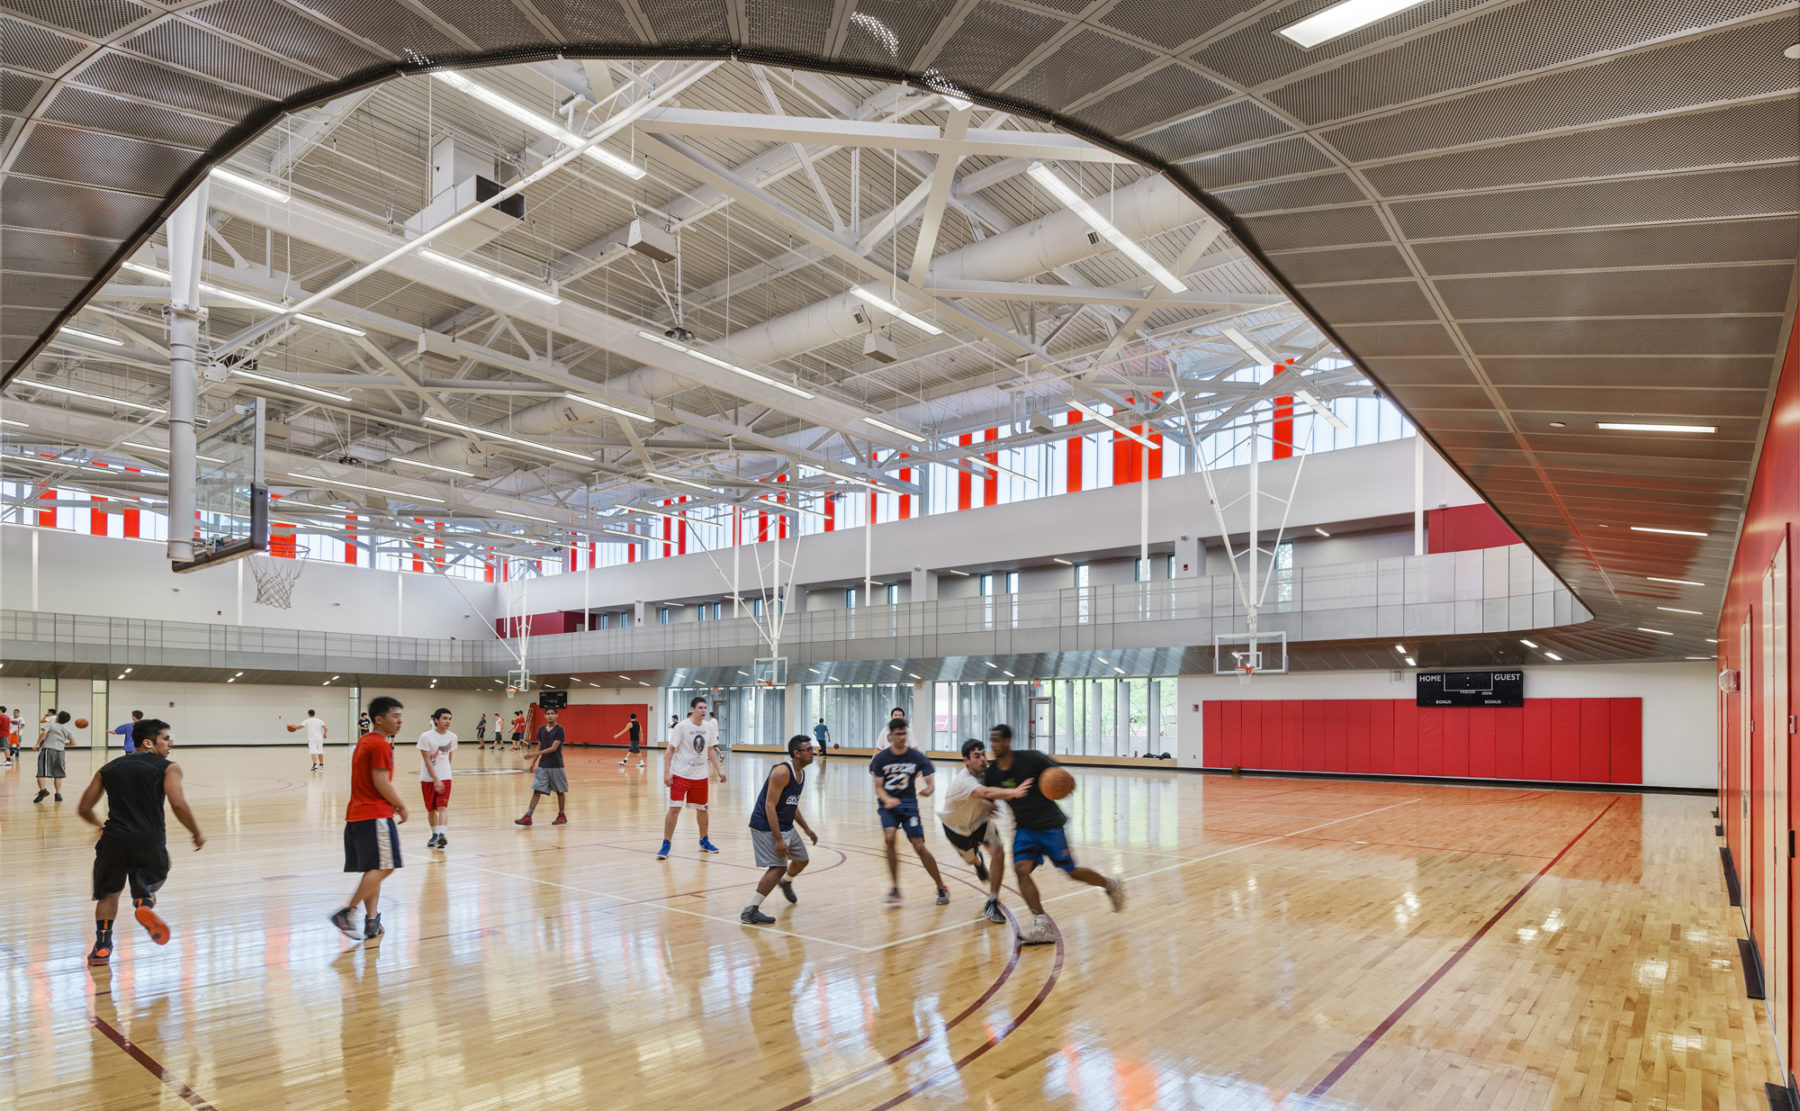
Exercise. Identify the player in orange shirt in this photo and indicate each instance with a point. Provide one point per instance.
(371, 838)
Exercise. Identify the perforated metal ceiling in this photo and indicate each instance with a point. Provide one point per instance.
(1513, 212)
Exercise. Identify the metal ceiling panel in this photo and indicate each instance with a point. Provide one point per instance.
(1592, 208)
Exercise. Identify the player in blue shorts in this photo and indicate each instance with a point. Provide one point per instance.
(1038, 829)
(897, 770)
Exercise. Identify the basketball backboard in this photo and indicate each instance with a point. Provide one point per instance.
(1260, 652)
(231, 495)
(770, 671)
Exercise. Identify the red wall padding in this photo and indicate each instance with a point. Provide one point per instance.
(595, 725)
(1464, 528)
(1577, 740)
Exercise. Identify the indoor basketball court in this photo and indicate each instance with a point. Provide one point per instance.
(1006, 553)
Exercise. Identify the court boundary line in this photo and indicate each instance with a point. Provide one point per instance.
(1356, 1053)
(151, 1064)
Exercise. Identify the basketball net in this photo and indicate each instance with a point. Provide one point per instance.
(275, 579)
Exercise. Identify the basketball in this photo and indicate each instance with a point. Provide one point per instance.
(293, 727)
(1056, 783)
(81, 723)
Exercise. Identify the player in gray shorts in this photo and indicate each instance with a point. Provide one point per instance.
(772, 833)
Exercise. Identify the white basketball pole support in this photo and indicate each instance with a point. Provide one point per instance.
(186, 234)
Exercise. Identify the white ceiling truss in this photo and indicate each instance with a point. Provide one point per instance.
(783, 192)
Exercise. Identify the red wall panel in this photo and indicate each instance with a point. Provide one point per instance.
(1595, 740)
(1381, 738)
(1464, 528)
(595, 725)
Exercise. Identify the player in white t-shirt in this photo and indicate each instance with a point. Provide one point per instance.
(315, 739)
(971, 820)
(693, 747)
(435, 746)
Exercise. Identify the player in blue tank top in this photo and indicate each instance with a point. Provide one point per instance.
(772, 834)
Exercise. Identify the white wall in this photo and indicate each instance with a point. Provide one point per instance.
(79, 573)
(1370, 484)
(1680, 706)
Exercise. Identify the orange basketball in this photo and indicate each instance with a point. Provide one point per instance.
(293, 728)
(81, 723)
(1056, 783)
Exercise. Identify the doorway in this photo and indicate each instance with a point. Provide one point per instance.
(1772, 906)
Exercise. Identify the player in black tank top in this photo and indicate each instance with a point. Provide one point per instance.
(133, 840)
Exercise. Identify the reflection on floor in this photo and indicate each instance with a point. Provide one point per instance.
(1287, 943)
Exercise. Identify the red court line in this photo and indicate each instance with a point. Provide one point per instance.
(992, 1040)
(1375, 1035)
(151, 1064)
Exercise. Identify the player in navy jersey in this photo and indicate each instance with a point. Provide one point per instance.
(778, 845)
(897, 771)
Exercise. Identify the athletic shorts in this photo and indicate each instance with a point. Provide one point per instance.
(904, 817)
(966, 843)
(1031, 846)
(317, 748)
(690, 791)
(549, 779)
(50, 763)
(118, 860)
(764, 843)
(436, 798)
(371, 845)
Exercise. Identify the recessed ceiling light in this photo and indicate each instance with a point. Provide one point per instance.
(1400, 648)
(1323, 533)
(1061, 560)
(1668, 531)
(1527, 643)
(1672, 609)
(954, 571)
(1658, 632)
(1552, 655)
(1677, 582)
(1607, 426)
(1341, 19)
(1558, 424)
(1711, 640)
(1410, 662)
(1792, 51)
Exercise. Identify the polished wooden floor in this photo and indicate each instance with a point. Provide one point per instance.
(1288, 943)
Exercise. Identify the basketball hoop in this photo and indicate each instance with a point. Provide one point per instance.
(1245, 664)
(275, 579)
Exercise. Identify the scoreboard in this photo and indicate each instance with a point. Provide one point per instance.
(1471, 688)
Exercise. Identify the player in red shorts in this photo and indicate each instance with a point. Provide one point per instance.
(435, 746)
(692, 751)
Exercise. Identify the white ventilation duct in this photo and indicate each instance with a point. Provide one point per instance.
(1145, 208)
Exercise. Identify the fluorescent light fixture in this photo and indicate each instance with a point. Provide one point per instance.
(1677, 582)
(659, 477)
(1410, 662)
(990, 664)
(1307, 399)
(721, 363)
(492, 435)
(1527, 643)
(1061, 560)
(910, 675)
(524, 516)
(434, 467)
(95, 397)
(541, 124)
(333, 483)
(1551, 654)
(621, 411)
(92, 336)
(1008, 674)
(161, 450)
(246, 299)
(1658, 632)
(985, 465)
(1672, 609)
(269, 381)
(896, 667)
(1120, 670)
(1073, 201)
(673, 516)
(1323, 533)
(242, 182)
(1668, 531)
(914, 437)
(887, 306)
(954, 571)
(14, 423)
(789, 507)
(1095, 414)
(1696, 657)
(1606, 426)
(1247, 346)
(1341, 19)
(1400, 648)
(1711, 640)
(489, 276)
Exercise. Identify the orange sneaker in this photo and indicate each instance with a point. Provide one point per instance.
(159, 930)
(102, 951)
